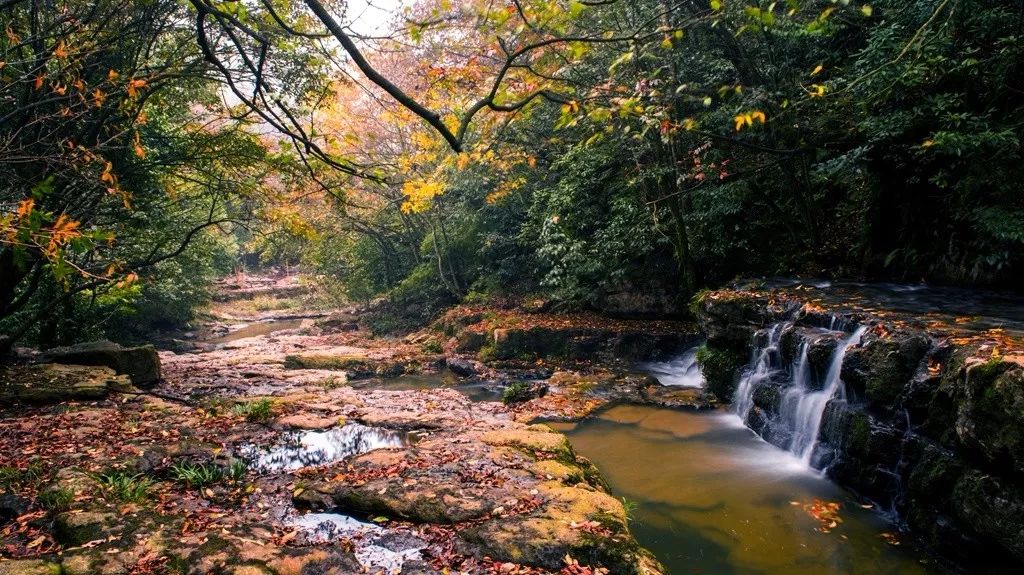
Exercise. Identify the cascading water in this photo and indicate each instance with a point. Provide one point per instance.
(811, 404)
(765, 361)
(796, 414)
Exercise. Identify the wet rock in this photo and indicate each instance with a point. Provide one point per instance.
(141, 364)
(523, 391)
(820, 349)
(990, 414)
(463, 367)
(544, 538)
(354, 366)
(891, 364)
(720, 367)
(768, 397)
(678, 398)
(55, 383)
(468, 341)
(418, 568)
(993, 508)
(338, 322)
(730, 319)
(308, 421)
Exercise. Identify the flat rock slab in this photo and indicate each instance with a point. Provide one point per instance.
(141, 364)
(55, 383)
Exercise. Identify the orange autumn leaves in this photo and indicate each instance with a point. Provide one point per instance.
(26, 227)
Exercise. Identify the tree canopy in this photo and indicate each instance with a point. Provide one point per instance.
(575, 148)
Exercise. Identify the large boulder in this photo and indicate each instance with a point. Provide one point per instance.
(141, 364)
(55, 383)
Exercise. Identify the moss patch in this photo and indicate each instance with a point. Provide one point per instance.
(720, 366)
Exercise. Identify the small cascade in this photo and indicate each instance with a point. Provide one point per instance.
(811, 404)
(765, 362)
(785, 401)
(681, 371)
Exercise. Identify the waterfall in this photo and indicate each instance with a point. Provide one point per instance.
(811, 405)
(793, 423)
(764, 362)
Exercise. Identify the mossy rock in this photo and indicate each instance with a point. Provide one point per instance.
(892, 364)
(515, 343)
(354, 366)
(535, 438)
(468, 341)
(336, 362)
(990, 415)
(993, 508)
(141, 364)
(720, 367)
(72, 528)
(544, 537)
(934, 475)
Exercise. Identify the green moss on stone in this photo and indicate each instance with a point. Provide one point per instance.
(719, 366)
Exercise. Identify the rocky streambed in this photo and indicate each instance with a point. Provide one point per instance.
(295, 442)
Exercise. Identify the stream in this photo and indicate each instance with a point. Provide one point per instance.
(712, 497)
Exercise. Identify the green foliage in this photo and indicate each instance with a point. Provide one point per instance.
(56, 500)
(236, 470)
(432, 346)
(124, 487)
(516, 392)
(202, 475)
(197, 475)
(719, 367)
(12, 476)
(630, 507)
(257, 411)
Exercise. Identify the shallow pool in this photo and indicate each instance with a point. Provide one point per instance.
(708, 496)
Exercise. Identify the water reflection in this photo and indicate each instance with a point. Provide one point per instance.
(310, 448)
(713, 498)
(373, 547)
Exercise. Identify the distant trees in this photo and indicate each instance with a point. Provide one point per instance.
(682, 144)
(580, 148)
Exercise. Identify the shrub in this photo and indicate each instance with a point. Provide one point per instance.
(14, 476)
(432, 346)
(56, 500)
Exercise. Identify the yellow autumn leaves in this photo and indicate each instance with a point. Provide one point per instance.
(747, 119)
(419, 194)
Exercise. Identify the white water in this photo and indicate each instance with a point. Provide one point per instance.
(810, 405)
(764, 362)
(680, 371)
(802, 405)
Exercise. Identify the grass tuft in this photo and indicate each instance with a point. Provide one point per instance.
(117, 485)
(258, 411)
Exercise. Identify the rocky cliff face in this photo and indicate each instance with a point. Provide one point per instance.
(931, 426)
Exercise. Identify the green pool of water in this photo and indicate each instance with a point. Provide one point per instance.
(710, 497)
